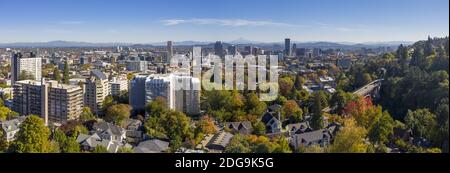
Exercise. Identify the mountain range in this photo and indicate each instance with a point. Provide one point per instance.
(241, 41)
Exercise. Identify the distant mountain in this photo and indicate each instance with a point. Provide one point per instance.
(62, 44)
(240, 41)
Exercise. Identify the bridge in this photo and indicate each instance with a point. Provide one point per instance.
(371, 90)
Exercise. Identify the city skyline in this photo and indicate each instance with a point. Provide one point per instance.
(261, 21)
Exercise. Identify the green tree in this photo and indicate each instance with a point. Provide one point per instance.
(33, 136)
(338, 101)
(421, 122)
(238, 144)
(87, 115)
(100, 149)
(66, 75)
(382, 129)
(317, 117)
(259, 128)
(118, 113)
(25, 75)
(125, 150)
(254, 105)
(56, 74)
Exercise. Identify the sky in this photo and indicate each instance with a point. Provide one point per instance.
(149, 21)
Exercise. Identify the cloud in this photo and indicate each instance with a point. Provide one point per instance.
(225, 22)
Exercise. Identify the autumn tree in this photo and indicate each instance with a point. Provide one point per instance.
(350, 139)
(118, 113)
(292, 111)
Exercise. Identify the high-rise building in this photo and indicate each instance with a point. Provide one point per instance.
(287, 46)
(29, 64)
(248, 50)
(137, 66)
(317, 52)
(136, 93)
(294, 50)
(182, 92)
(218, 49)
(169, 51)
(54, 102)
(96, 90)
(118, 85)
(232, 50)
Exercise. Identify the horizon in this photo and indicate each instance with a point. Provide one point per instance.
(144, 22)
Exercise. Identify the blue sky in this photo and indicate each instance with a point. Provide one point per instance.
(147, 21)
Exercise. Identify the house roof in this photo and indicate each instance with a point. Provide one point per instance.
(152, 146)
(12, 125)
(311, 136)
(299, 127)
(105, 127)
(246, 125)
(221, 139)
(98, 74)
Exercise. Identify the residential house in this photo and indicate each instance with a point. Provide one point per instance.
(152, 146)
(219, 142)
(244, 127)
(273, 124)
(109, 131)
(90, 142)
(11, 127)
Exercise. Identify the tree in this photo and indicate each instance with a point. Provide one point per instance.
(317, 117)
(33, 136)
(118, 113)
(350, 139)
(286, 85)
(156, 107)
(3, 143)
(282, 145)
(100, 149)
(206, 125)
(66, 75)
(125, 150)
(421, 122)
(259, 128)
(292, 111)
(382, 129)
(299, 81)
(56, 74)
(338, 101)
(25, 75)
(238, 144)
(418, 59)
(254, 105)
(87, 115)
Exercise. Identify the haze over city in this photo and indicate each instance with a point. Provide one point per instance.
(139, 21)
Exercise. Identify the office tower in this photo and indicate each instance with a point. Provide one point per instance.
(54, 102)
(136, 93)
(29, 64)
(287, 46)
(232, 50)
(137, 66)
(218, 49)
(294, 50)
(317, 52)
(248, 50)
(181, 92)
(301, 52)
(169, 51)
(118, 85)
(96, 90)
